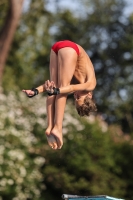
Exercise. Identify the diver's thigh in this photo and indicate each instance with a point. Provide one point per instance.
(67, 61)
(53, 67)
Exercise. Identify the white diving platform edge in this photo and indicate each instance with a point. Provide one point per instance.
(97, 197)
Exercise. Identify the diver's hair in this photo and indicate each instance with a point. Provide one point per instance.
(87, 107)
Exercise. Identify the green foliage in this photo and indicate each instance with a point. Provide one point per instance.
(104, 32)
(68, 27)
(89, 163)
(124, 161)
(85, 165)
(29, 56)
(20, 164)
(3, 11)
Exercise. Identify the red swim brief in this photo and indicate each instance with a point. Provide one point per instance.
(65, 43)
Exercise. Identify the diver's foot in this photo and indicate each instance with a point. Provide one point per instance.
(58, 135)
(51, 139)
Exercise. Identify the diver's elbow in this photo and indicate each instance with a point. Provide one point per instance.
(93, 85)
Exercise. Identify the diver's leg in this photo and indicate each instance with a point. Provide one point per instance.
(67, 60)
(50, 102)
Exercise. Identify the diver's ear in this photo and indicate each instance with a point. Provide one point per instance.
(90, 95)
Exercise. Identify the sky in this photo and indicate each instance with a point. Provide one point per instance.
(74, 5)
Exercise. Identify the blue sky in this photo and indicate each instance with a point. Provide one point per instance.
(74, 5)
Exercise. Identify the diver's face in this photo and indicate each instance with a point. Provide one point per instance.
(79, 97)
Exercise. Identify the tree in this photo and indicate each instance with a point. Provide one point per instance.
(20, 162)
(8, 30)
(29, 55)
(106, 34)
(91, 161)
(86, 164)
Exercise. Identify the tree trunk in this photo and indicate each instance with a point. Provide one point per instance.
(8, 30)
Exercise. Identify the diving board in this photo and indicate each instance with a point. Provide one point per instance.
(98, 197)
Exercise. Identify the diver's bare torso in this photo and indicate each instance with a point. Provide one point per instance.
(84, 70)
